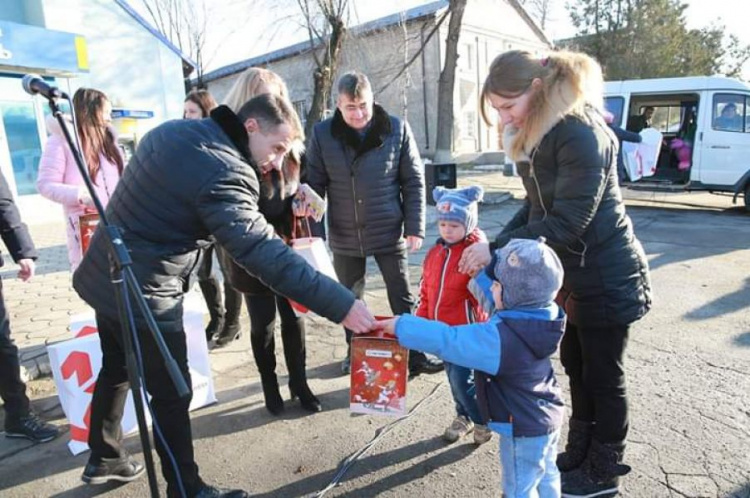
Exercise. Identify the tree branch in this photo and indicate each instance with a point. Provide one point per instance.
(416, 55)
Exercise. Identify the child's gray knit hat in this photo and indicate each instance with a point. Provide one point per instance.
(529, 271)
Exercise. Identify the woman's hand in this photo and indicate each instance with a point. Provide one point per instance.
(84, 198)
(474, 258)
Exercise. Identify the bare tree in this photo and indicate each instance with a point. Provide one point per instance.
(325, 22)
(539, 10)
(447, 83)
(184, 23)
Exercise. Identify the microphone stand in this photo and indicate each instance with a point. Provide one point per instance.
(123, 279)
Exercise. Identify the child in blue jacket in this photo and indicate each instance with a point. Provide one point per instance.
(517, 392)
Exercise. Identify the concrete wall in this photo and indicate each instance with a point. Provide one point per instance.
(414, 94)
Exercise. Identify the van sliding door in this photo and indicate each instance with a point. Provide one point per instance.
(725, 146)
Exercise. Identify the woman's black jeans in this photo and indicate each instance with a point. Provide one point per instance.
(263, 311)
(593, 360)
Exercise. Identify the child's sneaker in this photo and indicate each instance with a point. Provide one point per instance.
(460, 427)
(482, 434)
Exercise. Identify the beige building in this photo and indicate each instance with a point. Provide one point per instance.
(380, 49)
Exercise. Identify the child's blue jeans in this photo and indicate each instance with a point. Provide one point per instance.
(461, 381)
(528, 466)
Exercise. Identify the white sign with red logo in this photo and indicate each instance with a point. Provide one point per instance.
(76, 363)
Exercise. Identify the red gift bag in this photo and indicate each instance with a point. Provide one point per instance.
(379, 374)
(87, 224)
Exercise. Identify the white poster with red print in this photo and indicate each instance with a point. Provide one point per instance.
(75, 365)
(641, 158)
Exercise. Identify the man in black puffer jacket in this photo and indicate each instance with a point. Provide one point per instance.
(187, 181)
(367, 164)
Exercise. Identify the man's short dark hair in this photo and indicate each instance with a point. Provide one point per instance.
(271, 110)
(354, 85)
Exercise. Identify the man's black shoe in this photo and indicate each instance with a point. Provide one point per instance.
(31, 427)
(425, 365)
(112, 469)
(212, 492)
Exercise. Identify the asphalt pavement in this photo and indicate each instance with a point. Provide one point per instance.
(687, 362)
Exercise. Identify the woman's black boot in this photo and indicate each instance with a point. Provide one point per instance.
(274, 401)
(307, 399)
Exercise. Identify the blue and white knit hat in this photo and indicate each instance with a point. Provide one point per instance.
(530, 272)
(459, 205)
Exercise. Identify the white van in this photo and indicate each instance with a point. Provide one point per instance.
(711, 113)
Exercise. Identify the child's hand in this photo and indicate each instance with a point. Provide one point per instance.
(386, 326)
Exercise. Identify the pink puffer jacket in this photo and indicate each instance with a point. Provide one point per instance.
(60, 181)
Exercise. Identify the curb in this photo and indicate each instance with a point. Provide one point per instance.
(35, 368)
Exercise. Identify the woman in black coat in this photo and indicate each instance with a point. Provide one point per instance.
(567, 158)
(277, 189)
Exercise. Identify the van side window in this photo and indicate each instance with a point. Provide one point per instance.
(730, 113)
(615, 106)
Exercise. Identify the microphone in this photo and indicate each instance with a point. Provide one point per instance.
(33, 84)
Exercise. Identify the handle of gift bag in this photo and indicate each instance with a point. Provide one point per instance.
(296, 235)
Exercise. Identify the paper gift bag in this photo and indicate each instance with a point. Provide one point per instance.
(379, 374)
(87, 224)
(640, 159)
(313, 250)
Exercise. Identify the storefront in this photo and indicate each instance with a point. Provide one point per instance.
(120, 54)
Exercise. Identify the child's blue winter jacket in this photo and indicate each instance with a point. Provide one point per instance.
(510, 354)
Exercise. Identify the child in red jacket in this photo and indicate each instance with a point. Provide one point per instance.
(444, 296)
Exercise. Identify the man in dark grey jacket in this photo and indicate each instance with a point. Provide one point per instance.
(187, 181)
(20, 420)
(367, 164)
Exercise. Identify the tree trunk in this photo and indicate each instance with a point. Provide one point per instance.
(324, 74)
(444, 145)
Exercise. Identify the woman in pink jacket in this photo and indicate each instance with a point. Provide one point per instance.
(59, 179)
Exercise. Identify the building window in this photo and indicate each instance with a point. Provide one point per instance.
(300, 107)
(470, 124)
(22, 134)
(466, 56)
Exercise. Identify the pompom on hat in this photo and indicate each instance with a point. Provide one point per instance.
(459, 205)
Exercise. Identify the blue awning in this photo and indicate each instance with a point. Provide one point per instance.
(25, 48)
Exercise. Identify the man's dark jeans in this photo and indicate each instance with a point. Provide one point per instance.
(12, 388)
(394, 267)
(171, 411)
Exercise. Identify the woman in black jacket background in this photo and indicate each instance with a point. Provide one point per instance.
(567, 158)
(277, 190)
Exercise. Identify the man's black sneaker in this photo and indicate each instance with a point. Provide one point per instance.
(112, 469)
(211, 492)
(31, 427)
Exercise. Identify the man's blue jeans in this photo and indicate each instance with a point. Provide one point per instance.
(461, 381)
(528, 465)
